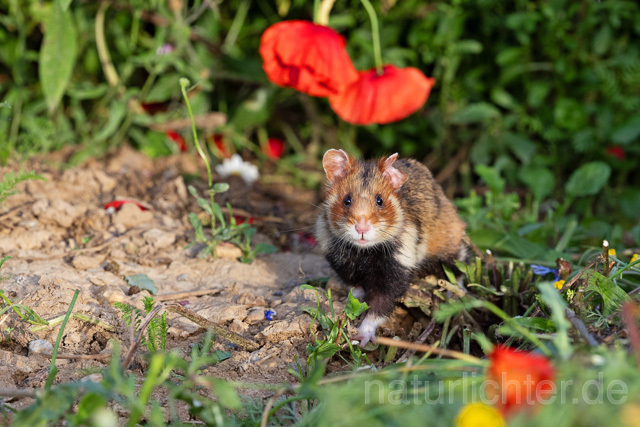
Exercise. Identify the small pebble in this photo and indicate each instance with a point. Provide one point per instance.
(40, 347)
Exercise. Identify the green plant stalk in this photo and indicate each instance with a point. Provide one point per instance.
(183, 86)
(375, 35)
(236, 25)
(524, 331)
(321, 12)
(52, 368)
(628, 266)
(101, 44)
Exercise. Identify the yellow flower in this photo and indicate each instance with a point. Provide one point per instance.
(479, 415)
(558, 284)
(612, 252)
(634, 258)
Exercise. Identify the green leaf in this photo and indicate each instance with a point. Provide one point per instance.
(265, 248)
(570, 114)
(117, 112)
(142, 281)
(491, 177)
(534, 323)
(193, 191)
(252, 112)
(3, 260)
(540, 181)
(325, 350)
(554, 301)
(613, 296)
(602, 40)
(588, 179)
(204, 205)
(480, 112)
(57, 55)
(320, 316)
(467, 46)
(224, 391)
(521, 146)
(219, 355)
(354, 308)
(65, 4)
(220, 187)
(197, 226)
(628, 132)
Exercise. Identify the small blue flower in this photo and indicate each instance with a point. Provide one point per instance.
(268, 314)
(541, 270)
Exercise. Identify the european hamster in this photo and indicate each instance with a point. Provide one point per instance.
(383, 224)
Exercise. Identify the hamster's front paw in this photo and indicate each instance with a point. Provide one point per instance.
(367, 330)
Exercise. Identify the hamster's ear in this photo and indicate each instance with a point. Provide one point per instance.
(393, 175)
(336, 164)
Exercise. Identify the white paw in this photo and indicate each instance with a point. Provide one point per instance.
(367, 330)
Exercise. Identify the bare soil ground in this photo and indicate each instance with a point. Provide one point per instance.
(60, 238)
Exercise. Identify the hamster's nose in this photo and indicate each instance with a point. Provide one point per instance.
(362, 226)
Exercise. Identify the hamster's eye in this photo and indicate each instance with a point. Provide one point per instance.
(347, 200)
(379, 201)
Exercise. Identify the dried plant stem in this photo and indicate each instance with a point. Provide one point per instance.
(430, 349)
(239, 340)
(420, 340)
(136, 342)
(579, 325)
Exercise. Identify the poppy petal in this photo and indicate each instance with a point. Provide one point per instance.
(274, 148)
(522, 378)
(308, 57)
(389, 97)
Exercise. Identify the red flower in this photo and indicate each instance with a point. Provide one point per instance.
(219, 143)
(117, 204)
(274, 148)
(178, 139)
(386, 98)
(307, 57)
(617, 152)
(242, 219)
(523, 379)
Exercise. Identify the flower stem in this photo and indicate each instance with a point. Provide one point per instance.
(183, 86)
(321, 12)
(375, 35)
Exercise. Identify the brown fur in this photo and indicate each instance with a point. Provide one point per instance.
(413, 233)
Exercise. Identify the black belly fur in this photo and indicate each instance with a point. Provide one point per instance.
(375, 269)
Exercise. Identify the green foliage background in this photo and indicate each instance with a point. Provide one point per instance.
(534, 89)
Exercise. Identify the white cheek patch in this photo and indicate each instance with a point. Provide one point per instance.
(322, 234)
(463, 253)
(408, 254)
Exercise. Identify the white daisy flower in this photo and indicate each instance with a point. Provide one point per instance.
(236, 166)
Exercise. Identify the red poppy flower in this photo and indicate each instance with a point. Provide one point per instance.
(219, 143)
(307, 57)
(617, 152)
(117, 204)
(274, 148)
(178, 139)
(386, 98)
(242, 219)
(523, 379)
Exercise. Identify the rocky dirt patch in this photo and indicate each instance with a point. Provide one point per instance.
(61, 238)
